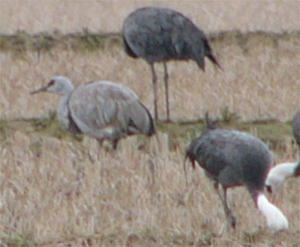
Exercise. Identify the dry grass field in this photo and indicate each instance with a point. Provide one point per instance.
(59, 193)
(70, 16)
(61, 190)
(260, 78)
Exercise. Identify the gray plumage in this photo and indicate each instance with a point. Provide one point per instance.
(296, 132)
(296, 127)
(297, 170)
(232, 158)
(102, 110)
(159, 35)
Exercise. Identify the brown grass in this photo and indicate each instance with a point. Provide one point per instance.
(58, 193)
(260, 78)
(63, 192)
(70, 16)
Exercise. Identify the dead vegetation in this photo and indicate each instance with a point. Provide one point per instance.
(88, 41)
(69, 16)
(22, 42)
(259, 81)
(62, 190)
(58, 192)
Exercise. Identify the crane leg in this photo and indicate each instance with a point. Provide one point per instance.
(115, 144)
(230, 218)
(154, 82)
(166, 80)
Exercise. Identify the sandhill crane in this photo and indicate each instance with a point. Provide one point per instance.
(102, 110)
(279, 173)
(233, 158)
(158, 34)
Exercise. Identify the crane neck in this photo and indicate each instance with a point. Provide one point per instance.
(63, 111)
(67, 91)
(275, 218)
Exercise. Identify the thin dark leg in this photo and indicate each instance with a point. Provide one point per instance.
(115, 144)
(166, 80)
(100, 142)
(154, 82)
(230, 218)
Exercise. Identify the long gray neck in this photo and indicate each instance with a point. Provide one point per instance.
(67, 91)
(63, 111)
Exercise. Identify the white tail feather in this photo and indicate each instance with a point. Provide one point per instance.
(275, 218)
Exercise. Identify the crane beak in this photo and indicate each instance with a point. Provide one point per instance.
(42, 89)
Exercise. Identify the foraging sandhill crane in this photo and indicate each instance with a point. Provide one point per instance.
(281, 172)
(158, 34)
(233, 158)
(102, 109)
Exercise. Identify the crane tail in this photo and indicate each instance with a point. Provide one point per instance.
(213, 59)
(210, 54)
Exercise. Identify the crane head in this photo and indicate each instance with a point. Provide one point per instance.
(59, 85)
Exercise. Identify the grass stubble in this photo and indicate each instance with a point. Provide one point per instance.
(57, 190)
(61, 192)
(70, 16)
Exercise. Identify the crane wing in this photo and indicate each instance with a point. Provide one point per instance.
(156, 34)
(106, 110)
(95, 107)
(232, 157)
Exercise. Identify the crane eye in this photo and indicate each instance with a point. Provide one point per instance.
(51, 83)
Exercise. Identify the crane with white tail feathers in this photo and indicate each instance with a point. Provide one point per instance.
(281, 172)
(101, 109)
(233, 158)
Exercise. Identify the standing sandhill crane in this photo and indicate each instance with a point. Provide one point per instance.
(102, 110)
(279, 173)
(158, 34)
(233, 158)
